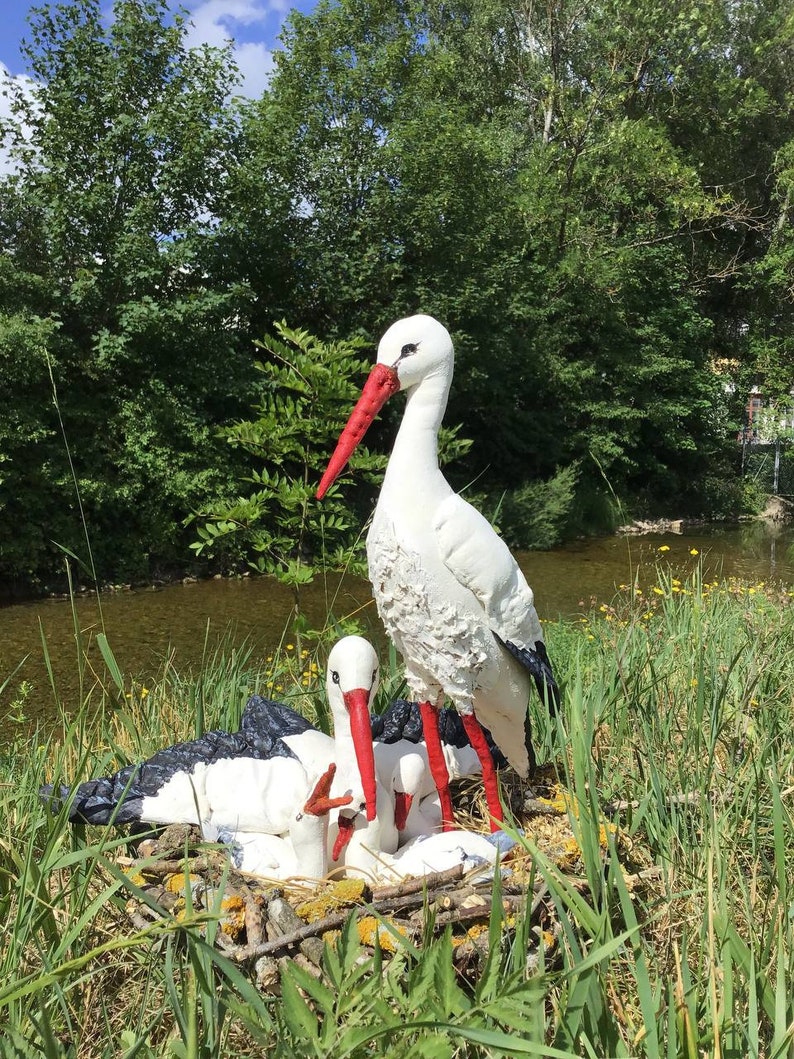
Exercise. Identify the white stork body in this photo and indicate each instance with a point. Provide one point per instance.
(254, 780)
(447, 589)
(302, 850)
(441, 627)
(439, 852)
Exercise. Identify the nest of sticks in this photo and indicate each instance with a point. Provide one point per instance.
(264, 922)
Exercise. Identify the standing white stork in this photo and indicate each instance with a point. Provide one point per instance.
(448, 591)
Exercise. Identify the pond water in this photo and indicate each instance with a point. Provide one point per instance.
(187, 621)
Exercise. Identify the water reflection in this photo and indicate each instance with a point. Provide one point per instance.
(188, 621)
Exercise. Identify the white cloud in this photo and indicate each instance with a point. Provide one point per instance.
(255, 62)
(217, 21)
(8, 84)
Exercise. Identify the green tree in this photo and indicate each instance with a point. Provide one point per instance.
(32, 454)
(114, 208)
(514, 170)
(771, 323)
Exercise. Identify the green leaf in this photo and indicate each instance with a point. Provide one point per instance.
(110, 661)
(301, 1022)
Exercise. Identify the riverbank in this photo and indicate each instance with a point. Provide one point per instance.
(675, 752)
(778, 511)
(189, 621)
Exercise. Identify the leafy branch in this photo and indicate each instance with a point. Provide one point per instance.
(277, 527)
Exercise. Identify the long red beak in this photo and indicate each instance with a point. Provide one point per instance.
(381, 383)
(347, 825)
(357, 703)
(320, 802)
(402, 807)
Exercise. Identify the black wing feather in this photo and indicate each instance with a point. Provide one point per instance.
(403, 720)
(536, 662)
(119, 798)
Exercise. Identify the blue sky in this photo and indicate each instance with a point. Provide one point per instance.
(253, 25)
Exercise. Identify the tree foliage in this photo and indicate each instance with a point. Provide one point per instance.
(595, 198)
(521, 171)
(112, 211)
(308, 389)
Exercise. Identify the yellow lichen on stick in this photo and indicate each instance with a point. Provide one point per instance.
(175, 883)
(371, 928)
(335, 896)
(233, 921)
(560, 801)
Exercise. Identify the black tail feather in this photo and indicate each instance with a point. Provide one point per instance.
(110, 799)
(536, 662)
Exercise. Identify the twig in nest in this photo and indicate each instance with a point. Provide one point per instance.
(536, 807)
(644, 876)
(411, 886)
(193, 865)
(310, 930)
(463, 913)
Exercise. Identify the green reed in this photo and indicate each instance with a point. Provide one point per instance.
(676, 753)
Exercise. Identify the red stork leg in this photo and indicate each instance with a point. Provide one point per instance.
(438, 766)
(477, 739)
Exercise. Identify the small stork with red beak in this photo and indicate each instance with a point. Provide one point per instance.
(255, 780)
(448, 591)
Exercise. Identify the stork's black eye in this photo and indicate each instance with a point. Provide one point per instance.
(374, 676)
(408, 349)
(334, 676)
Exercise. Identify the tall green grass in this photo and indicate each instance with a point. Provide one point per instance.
(676, 751)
